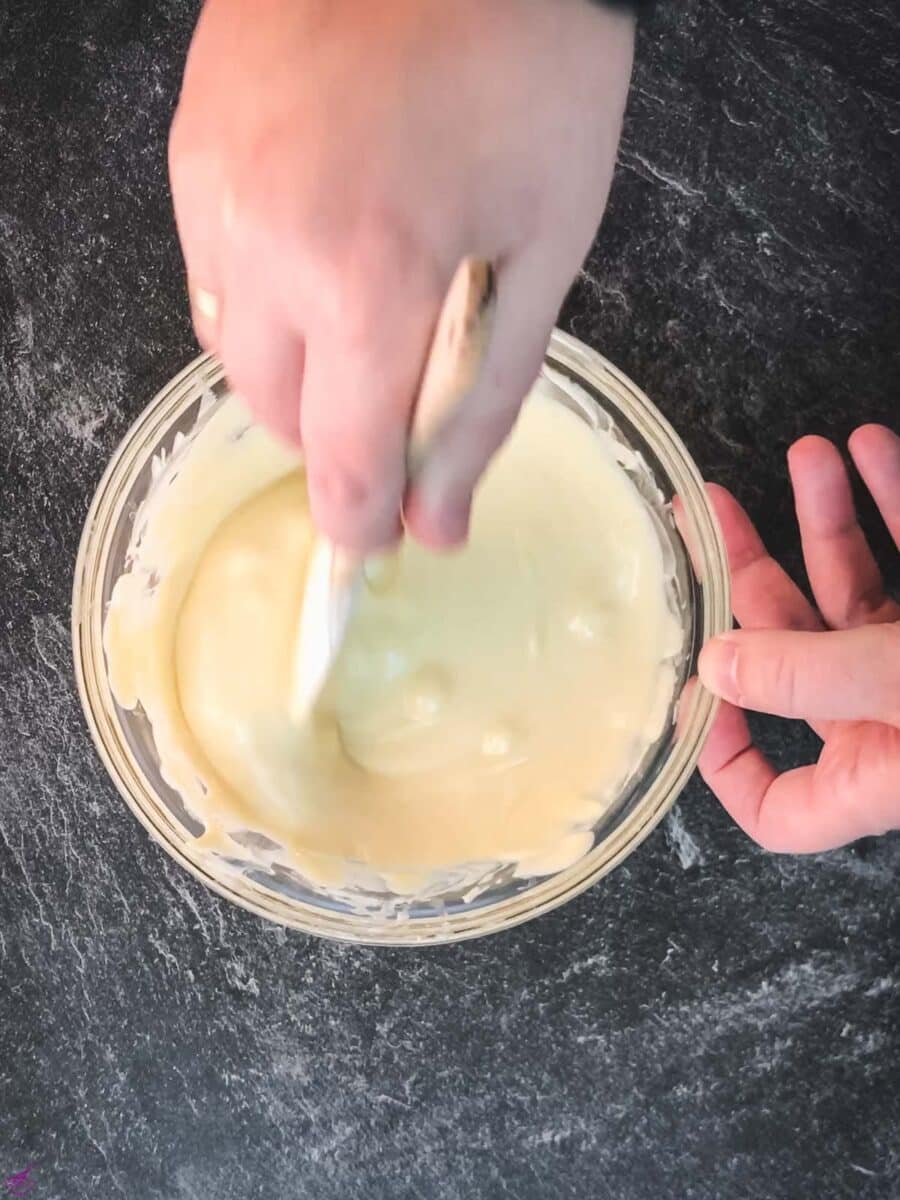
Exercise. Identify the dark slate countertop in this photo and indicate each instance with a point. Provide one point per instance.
(710, 1021)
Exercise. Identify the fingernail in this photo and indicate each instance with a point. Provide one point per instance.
(718, 667)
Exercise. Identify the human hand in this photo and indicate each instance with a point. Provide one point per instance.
(332, 162)
(838, 668)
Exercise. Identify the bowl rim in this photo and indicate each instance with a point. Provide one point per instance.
(589, 369)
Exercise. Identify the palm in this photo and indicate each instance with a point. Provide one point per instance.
(852, 790)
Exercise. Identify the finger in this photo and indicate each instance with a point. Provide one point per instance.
(194, 180)
(763, 595)
(846, 675)
(363, 366)
(438, 507)
(736, 772)
(843, 574)
(876, 452)
(263, 354)
(263, 358)
(803, 811)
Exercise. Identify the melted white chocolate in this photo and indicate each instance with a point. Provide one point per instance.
(487, 705)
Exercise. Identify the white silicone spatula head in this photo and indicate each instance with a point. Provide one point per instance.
(334, 578)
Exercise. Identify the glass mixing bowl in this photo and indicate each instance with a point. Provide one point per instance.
(661, 468)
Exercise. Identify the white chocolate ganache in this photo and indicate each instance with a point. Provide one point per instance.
(487, 706)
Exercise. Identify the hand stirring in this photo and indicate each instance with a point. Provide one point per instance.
(335, 574)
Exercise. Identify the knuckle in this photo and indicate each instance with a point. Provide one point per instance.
(353, 494)
(765, 681)
(763, 832)
(379, 257)
(890, 652)
(783, 682)
(351, 506)
(382, 242)
(343, 487)
(741, 695)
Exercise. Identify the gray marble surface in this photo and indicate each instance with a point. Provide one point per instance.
(709, 1022)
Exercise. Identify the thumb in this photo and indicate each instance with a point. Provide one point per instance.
(847, 675)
